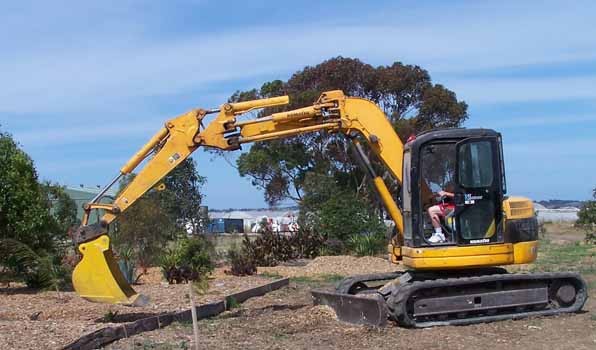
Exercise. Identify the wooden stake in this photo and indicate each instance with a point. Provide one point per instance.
(193, 311)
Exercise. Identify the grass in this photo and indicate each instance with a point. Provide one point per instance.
(573, 256)
(149, 345)
(318, 280)
(271, 275)
(110, 316)
(223, 243)
(232, 303)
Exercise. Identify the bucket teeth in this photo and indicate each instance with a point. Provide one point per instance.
(98, 278)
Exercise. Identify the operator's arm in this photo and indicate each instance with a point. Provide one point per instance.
(446, 194)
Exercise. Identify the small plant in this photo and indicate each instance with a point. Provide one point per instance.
(232, 303)
(367, 244)
(587, 219)
(269, 249)
(542, 229)
(127, 263)
(110, 316)
(318, 280)
(241, 263)
(190, 259)
(271, 275)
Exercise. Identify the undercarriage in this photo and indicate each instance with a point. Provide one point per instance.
(424, 299)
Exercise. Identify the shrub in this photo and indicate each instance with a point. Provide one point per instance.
(367, 244)
(189, 259)
(269, 249)
(337, 214)
(307, 243)
(196, 253)
(587, 219)
(241, 263)
(18, 262)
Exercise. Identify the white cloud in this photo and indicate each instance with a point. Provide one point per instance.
(487, 91)
(544, 120)
(565, 147)
(81, 134)
(55, 167)
(123, 62)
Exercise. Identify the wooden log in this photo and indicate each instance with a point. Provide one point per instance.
(107, 335)
(244, 295)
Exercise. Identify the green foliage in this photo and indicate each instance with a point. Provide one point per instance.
(368, 244)
(232, 303)
(575, 256)
(110, 316)
(25, 204)
(196, 253)
(345, 215)
(182, 197)
(338, 215)
(241, 263)
(127, 263)
(405, 93)
(189, 258)
(161, 216)
(587, 219)
(62, 208)
(168, 260)
(34, 219)
(18, 262)
(269, 249)
(317, 280)
(272, 275)
(144, 228)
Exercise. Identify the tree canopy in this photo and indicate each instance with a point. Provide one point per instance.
(34, 214)
(587, 218)
(34, 217)
(406, 94)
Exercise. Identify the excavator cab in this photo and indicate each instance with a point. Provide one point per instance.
(465, 162)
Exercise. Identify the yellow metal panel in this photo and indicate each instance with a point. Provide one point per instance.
(474, 256)
(243, 107)
(458, 262)
(455, 251)
(518, 208)
(98, 278)
(525, 252)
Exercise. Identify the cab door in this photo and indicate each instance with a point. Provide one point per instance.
(478, 195)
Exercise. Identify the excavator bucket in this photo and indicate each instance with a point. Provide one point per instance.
(354, 309)
(98, 278)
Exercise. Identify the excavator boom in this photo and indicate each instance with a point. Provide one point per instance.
(97, 276)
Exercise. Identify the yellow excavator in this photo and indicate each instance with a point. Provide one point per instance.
(456, 281)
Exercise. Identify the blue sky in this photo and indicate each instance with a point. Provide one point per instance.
(85, 84)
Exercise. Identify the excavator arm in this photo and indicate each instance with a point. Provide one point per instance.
(97, 276)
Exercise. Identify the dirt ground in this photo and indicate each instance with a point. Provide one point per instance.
(47, 320)
(286, 319)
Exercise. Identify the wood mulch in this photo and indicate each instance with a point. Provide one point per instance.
(49, 320)
(343, 265)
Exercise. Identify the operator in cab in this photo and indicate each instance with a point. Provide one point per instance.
(441, 210)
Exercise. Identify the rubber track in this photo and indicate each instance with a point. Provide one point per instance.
(346, 285)
(397, 302)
